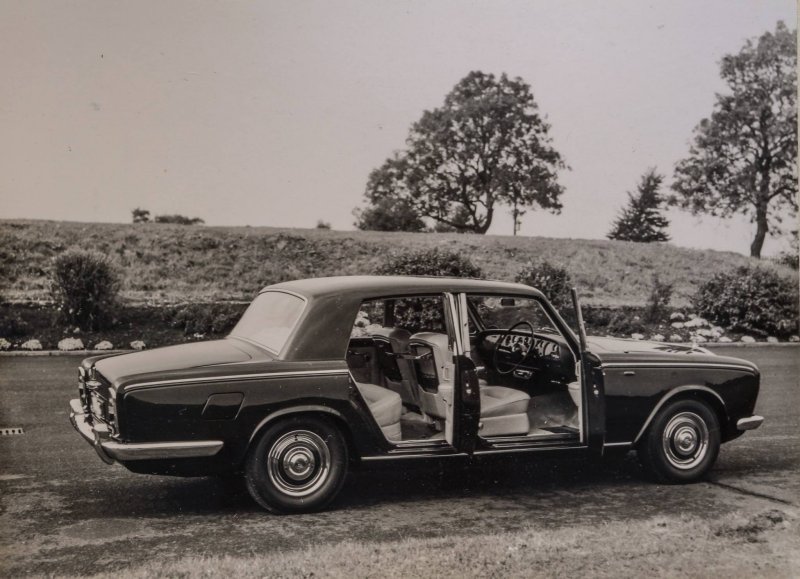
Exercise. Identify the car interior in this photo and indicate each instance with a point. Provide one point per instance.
(401, 359)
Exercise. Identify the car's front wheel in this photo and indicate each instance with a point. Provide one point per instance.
(297, 465)
(682, 442)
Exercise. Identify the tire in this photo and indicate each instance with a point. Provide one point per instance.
(297, 465)
(682, 443)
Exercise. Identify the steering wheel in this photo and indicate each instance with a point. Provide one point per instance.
(517, 348)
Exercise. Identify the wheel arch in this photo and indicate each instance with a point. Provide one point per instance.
(689, 392)
(315, 410)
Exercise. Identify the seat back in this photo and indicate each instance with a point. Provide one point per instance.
(398, 375)
(433, 367)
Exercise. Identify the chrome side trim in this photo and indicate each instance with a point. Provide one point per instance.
(667, 397)
(413, 455)
(613, 444)
(750, 422)
(236, 377)
(162, 450)
(110, 450)
(714, 366)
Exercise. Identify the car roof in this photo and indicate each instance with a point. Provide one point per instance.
(389, 285)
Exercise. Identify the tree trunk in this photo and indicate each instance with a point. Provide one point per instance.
(762, 227)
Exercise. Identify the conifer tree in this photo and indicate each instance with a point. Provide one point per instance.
(642, 220)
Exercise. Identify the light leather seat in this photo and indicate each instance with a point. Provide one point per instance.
(385, 406)
(398, 375)
(504, 411)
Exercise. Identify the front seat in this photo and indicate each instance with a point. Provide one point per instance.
(504, 411)
(398, 376)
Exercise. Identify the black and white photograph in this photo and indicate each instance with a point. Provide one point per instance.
(412, 288)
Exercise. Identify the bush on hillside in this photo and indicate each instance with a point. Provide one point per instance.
(658, 300)
(204, 318)
(750, 299)
(434, 262)
(551, 279)
(179, 219)
(426, 313)
(84, 286)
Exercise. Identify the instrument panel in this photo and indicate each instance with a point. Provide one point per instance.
(541, 348)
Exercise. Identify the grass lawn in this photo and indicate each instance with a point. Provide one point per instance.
(173, 263)
(762, 544)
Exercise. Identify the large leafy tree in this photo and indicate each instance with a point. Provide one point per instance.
(641, 220)
(388, 210)
(744, 158)
(487, 145)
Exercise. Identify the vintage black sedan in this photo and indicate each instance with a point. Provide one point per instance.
(321, 375)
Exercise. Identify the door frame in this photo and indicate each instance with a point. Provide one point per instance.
(590, 375)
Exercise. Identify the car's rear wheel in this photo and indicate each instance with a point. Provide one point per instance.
(297, 465)
(682, 442)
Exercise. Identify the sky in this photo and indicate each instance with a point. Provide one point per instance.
(274, 113)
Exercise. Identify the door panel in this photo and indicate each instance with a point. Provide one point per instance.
(594, 416)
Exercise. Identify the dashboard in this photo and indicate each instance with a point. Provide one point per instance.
(541, 348)
(549, 358)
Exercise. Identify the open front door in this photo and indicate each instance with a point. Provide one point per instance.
(593, 394)
(463, 414)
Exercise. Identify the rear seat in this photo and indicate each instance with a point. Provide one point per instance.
(385, 406)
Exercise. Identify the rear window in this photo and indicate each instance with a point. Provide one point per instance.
(270, 319)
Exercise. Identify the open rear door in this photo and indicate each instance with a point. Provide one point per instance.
(464, 412)
(593, 394)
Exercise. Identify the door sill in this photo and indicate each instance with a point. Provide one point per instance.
(531, 442)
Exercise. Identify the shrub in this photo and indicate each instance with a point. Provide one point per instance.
(434, 262)
(624, 322)
(323, 224)
(551, 279)
(179, 220)
(788, 258)
(750, 299)
(84, 286)
(12, 325)
(658, 301)
(214, 318)
(426, 313)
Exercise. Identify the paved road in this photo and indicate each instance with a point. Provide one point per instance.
(63, 511)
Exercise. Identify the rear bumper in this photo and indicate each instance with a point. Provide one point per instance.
(749, 423)
(110, 450)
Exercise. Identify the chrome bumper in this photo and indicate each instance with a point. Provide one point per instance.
(110, 450)
(749, 423)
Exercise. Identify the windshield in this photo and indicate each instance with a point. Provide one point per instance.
(270, 319)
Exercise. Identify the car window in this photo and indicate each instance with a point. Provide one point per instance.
(414, 314)
(270, 319)
(420, 314)
(496, 312)
(370, 315)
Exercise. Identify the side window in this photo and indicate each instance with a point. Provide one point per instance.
(420, 314)
(503, 312)
(413, 314)
(372, 313)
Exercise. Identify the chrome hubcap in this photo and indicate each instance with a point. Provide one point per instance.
(685, 440)
(298, 463)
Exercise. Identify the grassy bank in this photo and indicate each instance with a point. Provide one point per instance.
(173, 263)
(765, 544)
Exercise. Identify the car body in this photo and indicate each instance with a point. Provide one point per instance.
(291, 380)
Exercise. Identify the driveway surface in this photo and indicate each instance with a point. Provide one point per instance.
(62, 511)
